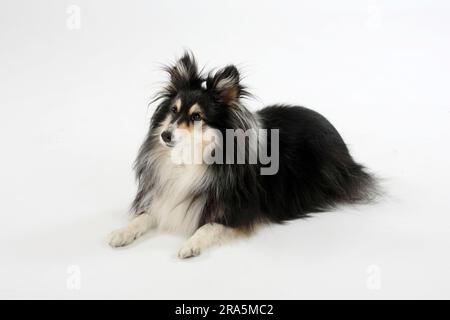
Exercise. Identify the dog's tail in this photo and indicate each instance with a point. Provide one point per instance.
(360, 185)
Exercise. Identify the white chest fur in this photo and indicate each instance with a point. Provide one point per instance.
(172, 203)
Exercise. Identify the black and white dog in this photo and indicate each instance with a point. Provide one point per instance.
(212, 170)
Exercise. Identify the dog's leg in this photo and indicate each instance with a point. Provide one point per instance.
(206, 236)
(136, 228)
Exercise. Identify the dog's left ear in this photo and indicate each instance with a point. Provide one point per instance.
(225, 85)
(184, 74)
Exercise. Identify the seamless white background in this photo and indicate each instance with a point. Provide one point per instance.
(73, 112)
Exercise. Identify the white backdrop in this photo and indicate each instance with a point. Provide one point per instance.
(73, 112)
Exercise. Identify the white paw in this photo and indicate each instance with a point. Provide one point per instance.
(121, 238)
(189, 250)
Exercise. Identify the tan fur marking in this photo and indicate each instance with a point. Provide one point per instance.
(245, 231)
(183, 125)
(178, 104)
(195, 108)
(186, 126)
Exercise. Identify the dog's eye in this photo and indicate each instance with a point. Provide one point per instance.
(196, 117)
(174, 109)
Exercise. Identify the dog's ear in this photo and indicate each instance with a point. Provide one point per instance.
(225, 85)
(183, 74)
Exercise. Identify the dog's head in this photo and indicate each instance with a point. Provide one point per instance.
(194, 108)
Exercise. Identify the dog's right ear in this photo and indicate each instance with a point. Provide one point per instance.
(225, 86)
(183, 75)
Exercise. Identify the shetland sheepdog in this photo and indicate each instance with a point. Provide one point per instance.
(212, 170)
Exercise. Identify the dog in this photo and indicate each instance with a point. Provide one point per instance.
(299, 164)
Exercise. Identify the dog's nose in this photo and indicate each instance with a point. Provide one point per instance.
(166, 136)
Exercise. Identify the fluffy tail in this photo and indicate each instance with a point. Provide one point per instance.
(359, 185)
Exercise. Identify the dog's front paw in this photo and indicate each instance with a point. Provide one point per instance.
(121, 238)
(190, 249)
